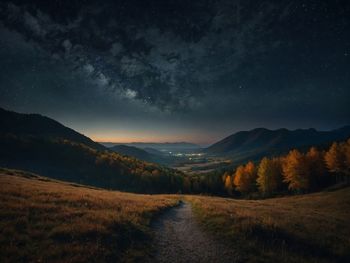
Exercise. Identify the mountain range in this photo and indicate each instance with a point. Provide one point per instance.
(159, 146)
(146, 154)
(259, 142)
(41, 145)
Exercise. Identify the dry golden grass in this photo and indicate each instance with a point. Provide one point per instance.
(307, 228)
(45, 220)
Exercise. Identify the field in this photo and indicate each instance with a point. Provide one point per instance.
(306, 228)
(43, 220)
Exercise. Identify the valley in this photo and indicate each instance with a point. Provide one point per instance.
(66, 198)
(174, 131)
(202, 164)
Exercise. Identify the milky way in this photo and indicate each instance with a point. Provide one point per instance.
(180, 67)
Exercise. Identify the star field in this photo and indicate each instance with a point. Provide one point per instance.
(177, 68)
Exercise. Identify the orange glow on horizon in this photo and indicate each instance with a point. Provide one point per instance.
(148, 136)
(130, 139)
(146, 139)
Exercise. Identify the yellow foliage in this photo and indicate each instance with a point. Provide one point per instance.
(269, 175)
(245, 178)
(333, 158)
(228, 183)
(295, 171)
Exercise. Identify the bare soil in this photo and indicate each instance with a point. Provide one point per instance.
(179, 238)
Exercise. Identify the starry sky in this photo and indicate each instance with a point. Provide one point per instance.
(177, 70)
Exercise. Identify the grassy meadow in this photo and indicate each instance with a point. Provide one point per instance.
(44, 220)
(304, 228)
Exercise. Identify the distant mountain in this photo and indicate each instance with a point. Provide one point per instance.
(167, 146)
(147, 154)
(132, 151)
(136, 152)
(153, 151)
(258, 142)
(38, 125)
(39, 144)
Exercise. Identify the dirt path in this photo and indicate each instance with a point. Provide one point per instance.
(178, 238)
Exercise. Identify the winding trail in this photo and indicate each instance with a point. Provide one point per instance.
(178, 238)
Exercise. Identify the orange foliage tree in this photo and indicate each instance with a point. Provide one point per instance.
(228, 182)
(270, 177)
(245, 178)
(295, 171)
(301, 172)
(333, 158)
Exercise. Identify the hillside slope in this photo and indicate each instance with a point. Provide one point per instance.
(37, 125)
(42, 145)
(304, 228)
(42, 220)
(46, 220)
(142, 154)
(258, 142)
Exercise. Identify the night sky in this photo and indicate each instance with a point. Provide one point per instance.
(179, 70)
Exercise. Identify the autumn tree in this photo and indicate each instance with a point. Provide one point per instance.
(245, 178)
(295, 171)
(263, 175)
(269, 175)
(228, 182)
(224, 176)
(238, 177)
(335, 160)
(316, 168)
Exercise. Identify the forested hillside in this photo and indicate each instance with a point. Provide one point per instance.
(39, 144)
(296, 172)
(255, 144)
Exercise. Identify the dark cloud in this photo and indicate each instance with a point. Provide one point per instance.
(162, 55)
(195, 59)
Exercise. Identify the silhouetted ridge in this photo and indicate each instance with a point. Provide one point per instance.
(41, 145)
(40, 126)
(261, 140)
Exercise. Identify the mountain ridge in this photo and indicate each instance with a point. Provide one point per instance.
(261, 140)
(156, 145)
(33, 124)
(39, 144)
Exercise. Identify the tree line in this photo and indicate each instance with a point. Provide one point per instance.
(295, 172)
(76, 162)
(66, 160)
